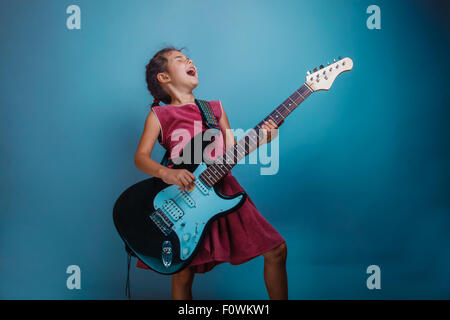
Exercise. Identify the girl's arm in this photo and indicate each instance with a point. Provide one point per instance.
(142, 158)
(181, 177)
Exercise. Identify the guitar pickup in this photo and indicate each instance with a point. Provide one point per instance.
(187, 198)
(203, 189)
(173, 209)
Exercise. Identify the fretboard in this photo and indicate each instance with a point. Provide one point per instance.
(250, 142)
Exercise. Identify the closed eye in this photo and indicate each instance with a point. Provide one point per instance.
(180, 57)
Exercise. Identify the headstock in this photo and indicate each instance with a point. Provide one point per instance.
(323, 77)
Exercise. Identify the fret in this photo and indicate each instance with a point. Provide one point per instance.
(297, 98)
(230, 157)
(205, 178)
(238, 145)
(245, 148)
(225, 158)
(306, 86)
(213, 181)
(218, 164)
(294, 97)
(222, 163)
(269, 117)
(217, 175)
(250, 141)
(246, 152)
(235, 152)
(241, 148)
(211, 176)
(276, 110)
(277, 119)
(254, 141)
(220, 169)
(283, 111)
(226, 167)
(235, 156)
(289, 107)
(250, 144)
(213, 171)
(301, 95)
(292, 100)
(236, 159)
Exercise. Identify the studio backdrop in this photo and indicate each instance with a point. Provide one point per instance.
(360, 180)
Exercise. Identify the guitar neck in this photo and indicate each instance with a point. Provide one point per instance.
(249, 142)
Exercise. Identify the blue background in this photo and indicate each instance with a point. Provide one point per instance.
(364, 167)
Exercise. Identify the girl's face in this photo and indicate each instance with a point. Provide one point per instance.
(182, 71)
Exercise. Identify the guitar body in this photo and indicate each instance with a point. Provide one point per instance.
(165, 226)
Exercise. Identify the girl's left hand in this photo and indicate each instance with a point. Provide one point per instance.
(270, 130)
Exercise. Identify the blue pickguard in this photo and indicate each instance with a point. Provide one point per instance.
(190, 211)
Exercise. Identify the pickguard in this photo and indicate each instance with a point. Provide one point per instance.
(190, 210)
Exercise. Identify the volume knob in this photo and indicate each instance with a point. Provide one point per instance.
(186, 236)
(185, 251)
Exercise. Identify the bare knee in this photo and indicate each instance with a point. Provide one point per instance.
(277, 254)
(183, 278)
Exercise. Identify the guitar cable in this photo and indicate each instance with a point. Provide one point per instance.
(127, 286)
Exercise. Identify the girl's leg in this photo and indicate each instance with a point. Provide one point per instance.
(182, 284)
(275, 275)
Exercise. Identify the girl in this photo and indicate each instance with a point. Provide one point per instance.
(237, 237)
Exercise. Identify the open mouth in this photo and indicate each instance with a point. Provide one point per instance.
(191, 72)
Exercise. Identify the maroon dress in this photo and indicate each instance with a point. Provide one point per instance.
(236, 237)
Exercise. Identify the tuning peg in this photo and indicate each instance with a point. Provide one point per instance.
(315, 69)
(340, 58)
(334, 60)
(308, 73)
(321, 66)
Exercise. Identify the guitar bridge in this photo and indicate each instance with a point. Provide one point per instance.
(162, 221)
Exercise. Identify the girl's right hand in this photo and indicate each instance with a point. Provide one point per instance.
(181, 177)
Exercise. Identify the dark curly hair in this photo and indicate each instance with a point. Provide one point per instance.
(156, 65)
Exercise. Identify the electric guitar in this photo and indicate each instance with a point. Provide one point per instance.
(164, 226)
